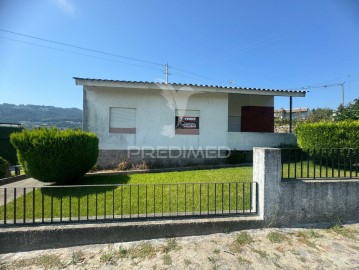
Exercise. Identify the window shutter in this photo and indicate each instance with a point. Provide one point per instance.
(122, 118)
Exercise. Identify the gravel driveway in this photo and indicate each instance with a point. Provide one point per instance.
(333, 248)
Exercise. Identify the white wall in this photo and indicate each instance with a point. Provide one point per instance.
(235, 103)
(153, 115)
(248, 140)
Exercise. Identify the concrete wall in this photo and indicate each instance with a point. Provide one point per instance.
(301, 202)
(235, 103)
(248, 140)
(155, 118)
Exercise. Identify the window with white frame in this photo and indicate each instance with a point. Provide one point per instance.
(122, 120)
(187, 122)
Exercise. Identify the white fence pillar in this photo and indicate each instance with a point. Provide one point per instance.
(267, 172)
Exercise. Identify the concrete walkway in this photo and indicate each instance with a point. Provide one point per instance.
(19, 185)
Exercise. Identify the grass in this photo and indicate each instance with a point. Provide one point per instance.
(108, 256)
(276, 237)
(263, 254)
(49, 261)
(310, 170)
(343, 231)
(208, 191)
(142, 251)
(242, 260)
(304, 236)
(77, 257)
(244, 238)
(170, 245)
(167, 260)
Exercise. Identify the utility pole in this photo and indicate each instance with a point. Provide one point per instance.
(166, 72)
(329, 85)
(342, 84)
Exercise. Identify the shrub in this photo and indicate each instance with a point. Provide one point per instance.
(52, 155)
(7, 151)
(237, 157)
(323, 135)
(318, 138)
(4, 168)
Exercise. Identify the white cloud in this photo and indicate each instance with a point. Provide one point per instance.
(66, 6)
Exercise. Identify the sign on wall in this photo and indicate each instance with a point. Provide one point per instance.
(187, 122)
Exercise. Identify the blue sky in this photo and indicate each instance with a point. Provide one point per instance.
(267, 44)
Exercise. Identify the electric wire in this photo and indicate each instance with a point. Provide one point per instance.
(82, 48)
(78, 53)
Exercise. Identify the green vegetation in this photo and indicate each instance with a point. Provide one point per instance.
(320, 115)
(262, 253)
(4, 167)
(348, 112)
(328, 135)
(343, 231)
(142, 251)
(52, 155)
(276, 237)
(132, 199)
(47, 261)
(167, 260)
(171, 245)
(7, 151)
(244, 238)
(309, 169)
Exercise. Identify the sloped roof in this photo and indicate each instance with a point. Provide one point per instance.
(184, 87)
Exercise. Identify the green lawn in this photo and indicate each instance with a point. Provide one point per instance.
(310, 170)
(200, 191)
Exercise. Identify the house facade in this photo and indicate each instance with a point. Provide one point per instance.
(177, 123)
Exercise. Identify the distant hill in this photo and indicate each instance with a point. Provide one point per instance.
(38, 116)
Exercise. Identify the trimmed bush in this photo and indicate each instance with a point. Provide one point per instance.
(7, 151)
(329, 142)
(52, 155)
(323, 135)
(4, 168)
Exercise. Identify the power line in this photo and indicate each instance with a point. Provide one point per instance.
(82, 48)
(72, 52)
(100, 52)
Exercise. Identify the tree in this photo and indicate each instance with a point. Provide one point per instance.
(348, 112)
(320, 114)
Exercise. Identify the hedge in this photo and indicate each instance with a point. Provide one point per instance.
(7, 151)
(329, 135)
(53, 155)
(323, 135)
(4, 167)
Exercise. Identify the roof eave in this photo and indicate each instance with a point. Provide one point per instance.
(178, 87)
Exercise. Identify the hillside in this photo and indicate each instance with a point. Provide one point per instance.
(36, 116)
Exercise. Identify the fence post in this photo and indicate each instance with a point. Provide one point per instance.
(267, 172)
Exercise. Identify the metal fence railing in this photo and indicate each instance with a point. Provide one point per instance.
(320, 163)
(56, 204)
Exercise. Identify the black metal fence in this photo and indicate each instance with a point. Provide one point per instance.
(320, 163)
(77, 203)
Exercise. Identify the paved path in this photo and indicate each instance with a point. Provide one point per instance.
(19, 185)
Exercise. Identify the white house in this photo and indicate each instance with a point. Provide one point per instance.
(177, 123)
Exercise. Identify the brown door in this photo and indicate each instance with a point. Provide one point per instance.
(257, 119)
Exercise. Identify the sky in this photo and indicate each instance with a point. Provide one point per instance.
(275, 44)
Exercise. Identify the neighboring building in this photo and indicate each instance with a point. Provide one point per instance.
(297, 113)
(168, 123)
